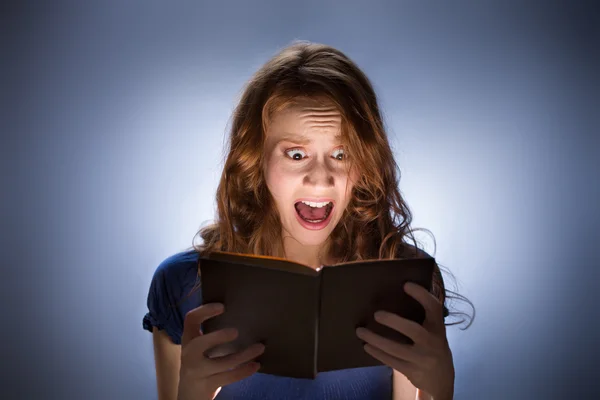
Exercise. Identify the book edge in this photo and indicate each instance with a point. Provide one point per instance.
(254, 260)
(375, 261)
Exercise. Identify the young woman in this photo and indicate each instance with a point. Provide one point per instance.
(309, 176)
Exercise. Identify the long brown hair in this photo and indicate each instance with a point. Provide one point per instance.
(376, 223)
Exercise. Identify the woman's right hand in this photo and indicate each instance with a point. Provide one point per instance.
(201, 378)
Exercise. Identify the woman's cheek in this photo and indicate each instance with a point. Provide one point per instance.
(279, 184)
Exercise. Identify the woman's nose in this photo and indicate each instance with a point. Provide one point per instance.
(319, 175)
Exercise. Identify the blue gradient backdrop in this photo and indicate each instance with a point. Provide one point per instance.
(113, 121)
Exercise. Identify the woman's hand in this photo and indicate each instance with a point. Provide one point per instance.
(201, 378)
(428, 362)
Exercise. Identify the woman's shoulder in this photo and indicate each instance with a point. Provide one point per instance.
(173, 293)
(407, 250)
(176, 279)
(178, 268)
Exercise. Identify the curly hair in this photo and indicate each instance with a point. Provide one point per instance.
(376, 223)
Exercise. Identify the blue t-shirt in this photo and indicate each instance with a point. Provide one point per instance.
(169, 301)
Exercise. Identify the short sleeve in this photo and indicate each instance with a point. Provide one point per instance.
(172, 294)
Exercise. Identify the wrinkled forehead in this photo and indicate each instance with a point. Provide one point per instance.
(297, 115)
(303, 107)
(299, 120)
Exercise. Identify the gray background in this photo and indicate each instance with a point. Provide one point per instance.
(113, 117)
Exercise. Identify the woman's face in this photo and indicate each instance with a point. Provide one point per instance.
(307, 171)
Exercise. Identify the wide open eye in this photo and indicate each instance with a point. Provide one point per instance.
(339, 154)
(295, 154)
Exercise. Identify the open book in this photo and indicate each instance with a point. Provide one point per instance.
(307, 318)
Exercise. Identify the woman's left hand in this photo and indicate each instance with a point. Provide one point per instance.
(427, 363)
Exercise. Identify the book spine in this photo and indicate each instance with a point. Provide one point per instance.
(317, 324)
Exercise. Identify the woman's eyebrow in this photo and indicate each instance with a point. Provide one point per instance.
(300, 139)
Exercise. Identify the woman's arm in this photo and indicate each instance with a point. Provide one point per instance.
(167, 360)
(402, 388)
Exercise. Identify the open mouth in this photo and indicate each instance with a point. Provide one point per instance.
(312, 212)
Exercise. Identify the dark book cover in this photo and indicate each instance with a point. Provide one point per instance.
(307, 318)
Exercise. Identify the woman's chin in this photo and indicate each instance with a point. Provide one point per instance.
(307, 237)
(312, 240)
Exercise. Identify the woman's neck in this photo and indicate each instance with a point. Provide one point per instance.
(313, 256)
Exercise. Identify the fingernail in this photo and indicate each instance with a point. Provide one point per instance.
(217, 307)
(380, 315)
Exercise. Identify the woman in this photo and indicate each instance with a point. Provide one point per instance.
(309, 176)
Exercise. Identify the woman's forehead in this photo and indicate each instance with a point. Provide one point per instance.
(299, 119)
(300, 115)
(301, 125)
